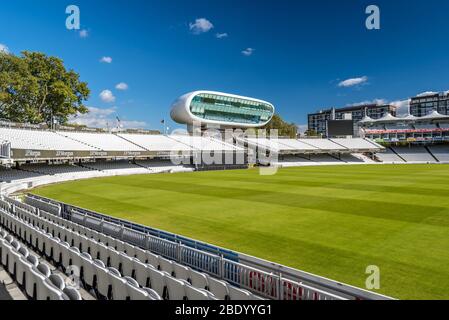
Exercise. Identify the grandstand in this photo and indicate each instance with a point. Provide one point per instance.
(118, 260)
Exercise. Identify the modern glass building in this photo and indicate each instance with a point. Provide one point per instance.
(425, 104)
(221, 109)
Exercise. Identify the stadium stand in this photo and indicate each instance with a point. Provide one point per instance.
(441, 152)
(40, 140)
(112, 268)
(414, 154)
(101, 141)
(389, 157)
(156, 142)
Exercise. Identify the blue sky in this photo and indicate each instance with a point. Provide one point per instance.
(299, 51)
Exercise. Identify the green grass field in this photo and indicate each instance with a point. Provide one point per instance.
(331, 221)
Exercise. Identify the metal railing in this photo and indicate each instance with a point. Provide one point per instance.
(265, 281)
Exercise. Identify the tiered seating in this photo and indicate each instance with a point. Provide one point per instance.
(13, 174)
(55, 169)
(325, 158)
(156, 142)
(389, 157)
(357, 144)
(204, 143)
(34, 276)
(441, 152)
(275, 145)
(414, 154)
(324, 144)
(40, 140)
(297, 145)
(113, 268)
(118, 167)
(102, 141)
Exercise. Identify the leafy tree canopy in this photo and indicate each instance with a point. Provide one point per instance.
(35, 87)
(284, 128)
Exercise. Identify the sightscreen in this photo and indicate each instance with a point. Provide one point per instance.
(340, 128)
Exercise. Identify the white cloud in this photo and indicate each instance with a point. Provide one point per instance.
(427, 93)
(366, 102)
(248, 51)
(84, 33)
(104, 118)
(106, 60)
(353, 82)
(402, 107)
(221, 35)
(201, 25)
(3, 48)
(107, 96)
(121, 86)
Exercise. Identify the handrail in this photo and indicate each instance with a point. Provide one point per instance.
(261, 277)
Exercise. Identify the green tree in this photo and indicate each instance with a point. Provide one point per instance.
(35, 87)
(284, 128)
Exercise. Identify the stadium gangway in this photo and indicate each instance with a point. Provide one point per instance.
(263, 278)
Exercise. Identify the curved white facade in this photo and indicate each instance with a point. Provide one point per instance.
(222, 109)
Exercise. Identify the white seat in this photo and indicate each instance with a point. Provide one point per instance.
(119, 285)
(239, 294)
(102, 278)
(198, 279)
(157, 281)
(50, 292)
(130, 250)
(48, 245)
(135, 292)
(54, 242)
(153, 259)
(87, 271)
(120, 245)
(175, 288)
(126, 264)
(35, 278)
(104, 253)
(85, 244)
(195, 294)
(218, 288)
(24, 265)
(141, 272)
(153, 294)
(141, 254)
(72, 293)
(64, 248)
(166, 265)
(181, 272)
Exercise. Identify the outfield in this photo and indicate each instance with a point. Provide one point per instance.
(332, 221)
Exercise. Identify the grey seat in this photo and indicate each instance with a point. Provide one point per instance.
(35, 278)
(141, 272)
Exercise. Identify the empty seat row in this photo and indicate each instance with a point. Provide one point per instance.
(97, 276)
(33, 276)
(43, 205)
(131, 261)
